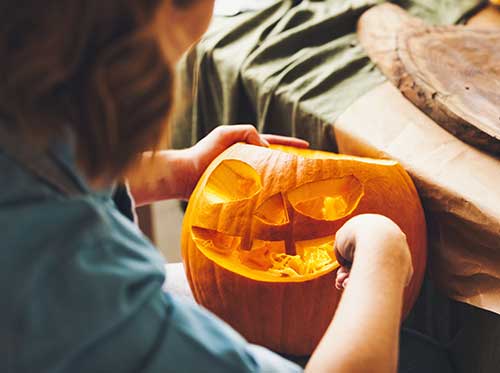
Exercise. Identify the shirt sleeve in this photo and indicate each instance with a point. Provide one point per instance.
(157, 333)
(96, 304)
(202, 342)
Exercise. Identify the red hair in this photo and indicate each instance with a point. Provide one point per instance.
(93, 65)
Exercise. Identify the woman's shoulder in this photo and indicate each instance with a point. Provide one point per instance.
(17, 184)
(34, 215)
(73, 270)
(45, 232)
(28, 203)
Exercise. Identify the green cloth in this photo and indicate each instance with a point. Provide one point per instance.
(290, 69)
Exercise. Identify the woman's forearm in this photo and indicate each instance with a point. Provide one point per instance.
(174, 173)
(364, 334)
(164, 175)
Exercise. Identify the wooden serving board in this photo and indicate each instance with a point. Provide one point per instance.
(452, 73)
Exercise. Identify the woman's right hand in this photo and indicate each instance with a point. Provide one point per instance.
(369, 231)
(364, 333)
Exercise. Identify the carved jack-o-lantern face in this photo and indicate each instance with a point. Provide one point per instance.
(259, 231)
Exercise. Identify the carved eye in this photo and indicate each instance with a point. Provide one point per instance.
(330, 199)
(232, 180)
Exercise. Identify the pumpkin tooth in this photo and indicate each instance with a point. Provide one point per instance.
(256, 258)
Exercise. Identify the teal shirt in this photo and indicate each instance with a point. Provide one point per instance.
(82, 290)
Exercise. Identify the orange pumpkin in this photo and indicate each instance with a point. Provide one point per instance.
(258, 233)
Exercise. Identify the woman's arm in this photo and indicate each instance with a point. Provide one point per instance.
(173, 174)
(364, 334)
(166, 174)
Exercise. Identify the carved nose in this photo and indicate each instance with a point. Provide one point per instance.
(309, 211)
(273, 210)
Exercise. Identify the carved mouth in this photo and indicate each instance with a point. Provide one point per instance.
(268, 259)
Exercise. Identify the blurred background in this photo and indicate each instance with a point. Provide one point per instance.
(164, 221)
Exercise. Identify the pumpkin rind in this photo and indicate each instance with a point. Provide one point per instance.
(288, 315)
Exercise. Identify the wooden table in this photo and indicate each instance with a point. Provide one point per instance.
(458, 185)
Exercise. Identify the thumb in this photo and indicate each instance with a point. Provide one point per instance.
(345, 246)
(254, 138)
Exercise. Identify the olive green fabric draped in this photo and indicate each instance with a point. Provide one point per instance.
(290, 69)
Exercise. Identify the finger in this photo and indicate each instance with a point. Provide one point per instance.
(345, 242)
(254, 138)
(338, 284)
(341, 283)
(285, 140)
(342, 274)
(344, 247)
(250, 135)
(341, 258)
(344, 284)
(343, 270)
(242, 132)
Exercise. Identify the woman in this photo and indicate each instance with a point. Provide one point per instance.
(87, 85)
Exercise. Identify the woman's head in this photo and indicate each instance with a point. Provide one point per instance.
(104, 68)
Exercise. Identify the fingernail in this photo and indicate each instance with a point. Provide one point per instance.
(264, 142)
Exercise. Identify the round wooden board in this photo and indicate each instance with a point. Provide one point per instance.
(452, 73)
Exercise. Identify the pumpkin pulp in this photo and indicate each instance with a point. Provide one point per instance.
(267, 260)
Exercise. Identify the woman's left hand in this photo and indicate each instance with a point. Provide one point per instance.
(222, 137)
(169, 174)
